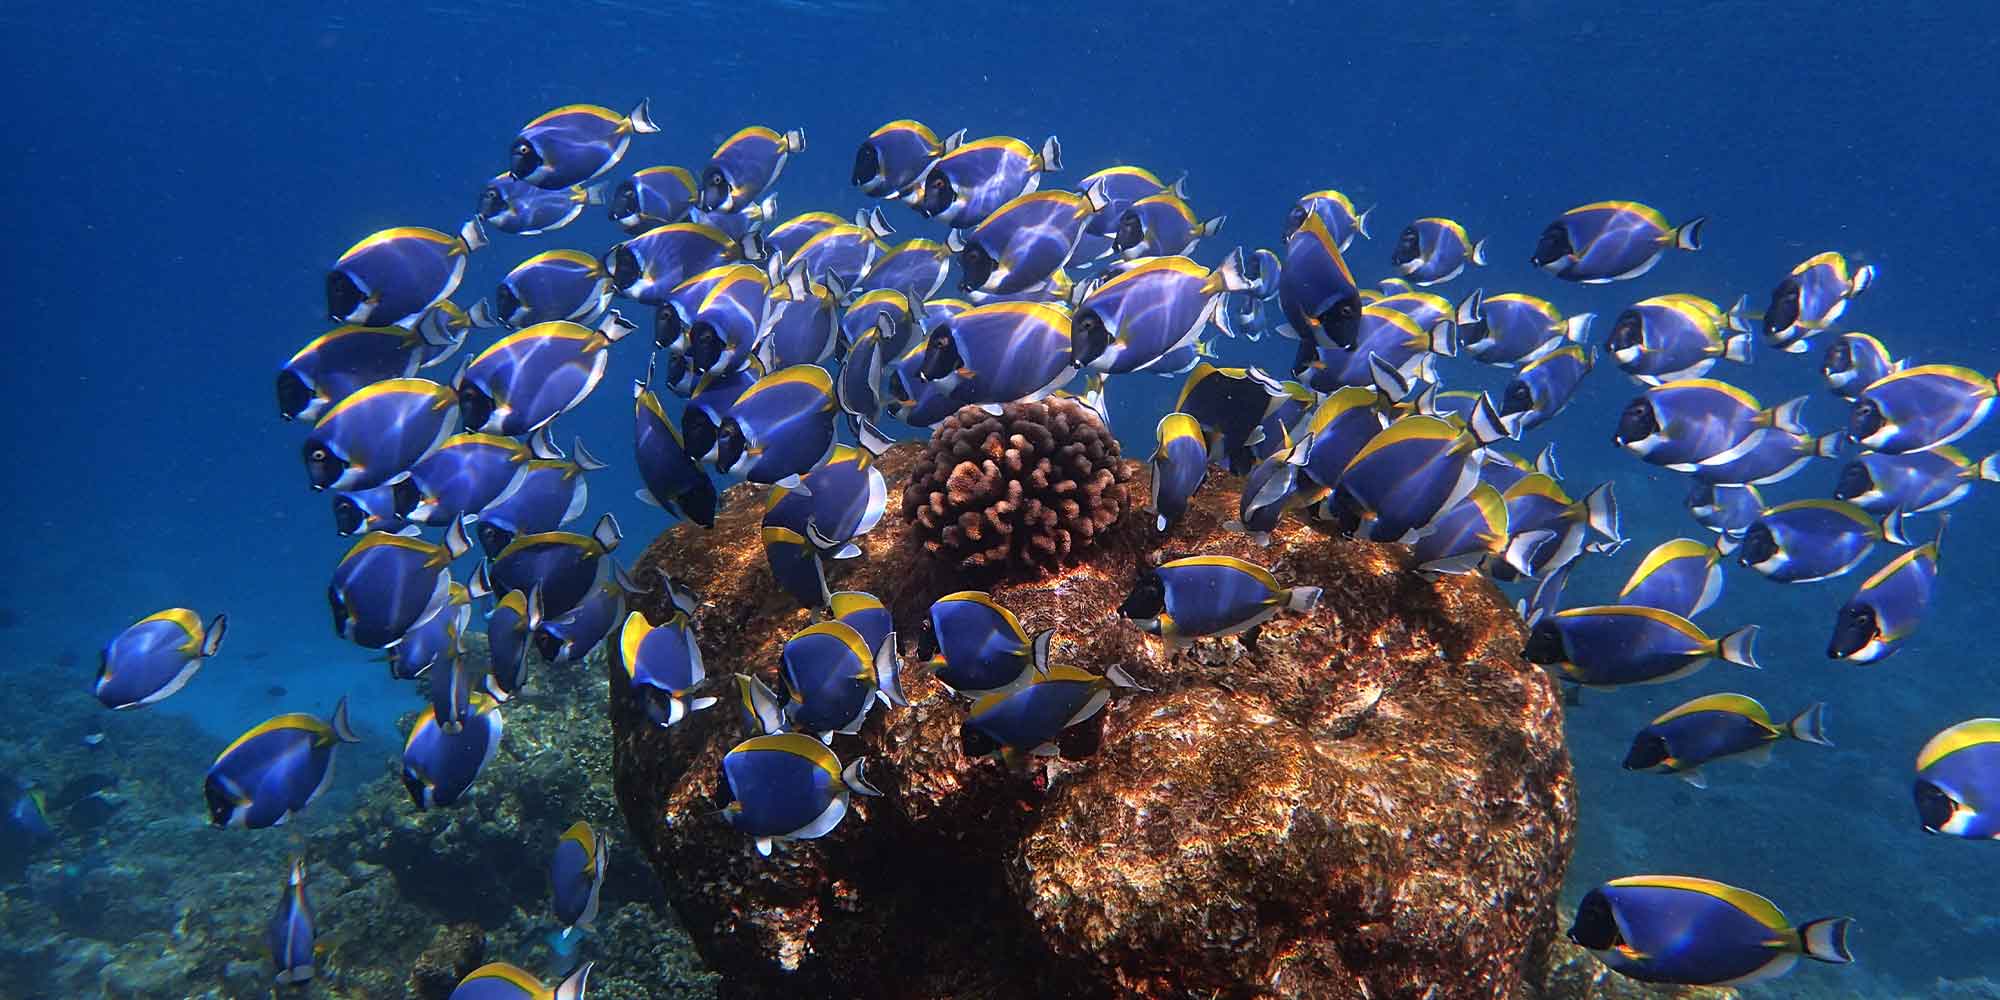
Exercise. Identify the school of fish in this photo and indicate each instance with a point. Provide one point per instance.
(779, 345)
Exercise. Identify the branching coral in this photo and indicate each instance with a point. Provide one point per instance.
(1029, 489)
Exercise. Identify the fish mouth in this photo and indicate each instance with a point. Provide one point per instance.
(492, 204)
(1865, 420)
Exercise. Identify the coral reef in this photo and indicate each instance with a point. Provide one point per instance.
(1031, 488)
(138, 897)
(1370, 800)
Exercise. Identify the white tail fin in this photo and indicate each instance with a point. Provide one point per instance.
(1688, 235)
(1469, 308)
(855, 777)
(1826, 940)
(342, 730)
(1361, 223)
(1809, 725)
(1051, 155)
(1444, 339)
(574, 984)
(1864, 278)
(1576, 329)
(1478, 254)
(211, 640)
(1302, 599)
(1786, 415)
(1736, 647)
(1740, 348)
(795, 140)
(641, 118)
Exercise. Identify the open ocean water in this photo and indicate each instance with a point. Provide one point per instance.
(180, 176)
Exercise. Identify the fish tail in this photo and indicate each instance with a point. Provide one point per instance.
(591, 195)
(795, 140)
(1892, 528)
(855, 777)
(1738, 317)
(1302, 599)
(1785, 416)
(342, 731)
(574, 984)
(472, 235)
(1864, 278)
(1827, 445)
(641, 118)
(1736, 647)
(1740, 348)
(1120, 679)
(1601, 513)
(1687, 235)
(1478, 254)
(1989, 468)
(1038, 649)
(1444, 339)
(211, 642)
(1576, 329)
(888, 672)
(1051, 155)
(1361, 223)
(1809, 726)
(1470, 308)
(1825, 940)
(481, 315)
(1227, 276)
(1211, 227)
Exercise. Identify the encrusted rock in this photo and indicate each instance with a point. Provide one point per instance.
(1371, 800)
(1031, 489)
(454, 951)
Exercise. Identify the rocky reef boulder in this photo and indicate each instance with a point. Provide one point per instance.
(1369, 800)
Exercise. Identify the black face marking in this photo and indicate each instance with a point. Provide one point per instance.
(344, 298)
(1131, 231)
(522, 159)
(1701, 495)
(507, 304)
(974, 742)
(493, 539)
(1088, 338)
(1303, 358)
(347, 516)
(623, 266)
(1595, 927)
(927, 645)
(1865, 419)
(940, 355)
(1934, 807)
(1636, 423)
(714, 189)
(1293, 220)
(220, 805)
(1628, 332)
(1553, 245)
(977, 266)
(937, 195)
(625, 203)
(698, 432)
(1853, 628)
(1759, 545)
(1147, 599)
(1838, 359)
(705, 346)
(1855, 480)
(1648, 751)
(867, 164)
(492, 204)
(1409, 247)
(323, 467)
(699, 503)
(1783, 313)
(415, 786)
(666, 328)
(1519, 398)
(475, 406)
(1545, 644)
(1341, 322)
(404, 496)
(729, 445)
(294, 395)
(338, 606)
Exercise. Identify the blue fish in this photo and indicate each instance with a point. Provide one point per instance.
(796, 564)
(464, 475)
(838, 255)
(1203, 596)
(288, 936)
(859, 388)
(1726, 510)
(867, 616)
(801, 324)
(1810, 540)
(576, 878)
(575, 143)
(1023, 242)
(889, 313)
(394, 276)
(1917, 482)
(675, 481)
(1317, 293)
(1692, 931)
(1672, 337)
(651, 198)
(549, 492)
(345, 360)
(24, 823)
(833, 677)
(1384, 337)
(378, 433)
(562, 565)
(1682, 576)
(678, 307)
(1888, 607)
(1231, 405)
(721, 330)
(1274, 486)
(554, 285)
(662, 664)
(892, 158)
(1710, 728)
(842, 500)
(1023, 723)
(386, 583)
(1544, 386)
(1471, 533)
(1812, 298)
(1335, 211)
(1426, 309)
(515, 206)
(384, 508)
(1147, 311)
(1001, 353)
(1958, 781)
(1920, 408)
(156, 656)
(745, 166)
(1854, 361)
(917, 268)
(433, 639)
(1766, 456)
(785, 238)
(648, 267)
(1514, 329)
(532, 376)
(500, 981)
(1161, 225)
(1608, 241)
(1180, 467)
(276, 769)
(1433, 250)
(976, 647)
(439, 766)
(510, 628)
(788, 787)
(964, 186)
(1612, 645)
(779, 429)
(1403, 478)
(1683, 424)
(1338, 428)
(1537, 503)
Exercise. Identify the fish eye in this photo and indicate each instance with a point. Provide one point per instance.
(506, 301)
(1148, 597)
(1553, 245)
(1628, 332)
(1293, 220)
(1855, 628)
(707, 346)
(1518, 398)
(220, 805)
(1408, 247)
(729, 445)
(623, 264)
(1759, 545)
(475, 406)
(294, 395)
(937, 195)
(1088, 338)
(714, 189)
(977, 265)
(1636, 423)
(344, 297)
(1783, 313)
(625, 202)
(491, 203)
(1701, 495)
(867, 163)
(522, 159)
(1131, 231)
(1854, 481)
(666, 326)
(940, 355)
(1864, 420)
(492, 538)
(347, 516)
(1935, 807)
(1839, 358)
(1647, 751)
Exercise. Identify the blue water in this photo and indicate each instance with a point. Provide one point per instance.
(181, 175)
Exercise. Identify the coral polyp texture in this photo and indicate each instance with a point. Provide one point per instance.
(1029, 489)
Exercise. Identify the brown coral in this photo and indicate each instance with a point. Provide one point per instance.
(1030, 489)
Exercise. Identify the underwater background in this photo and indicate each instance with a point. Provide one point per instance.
(181, 176)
